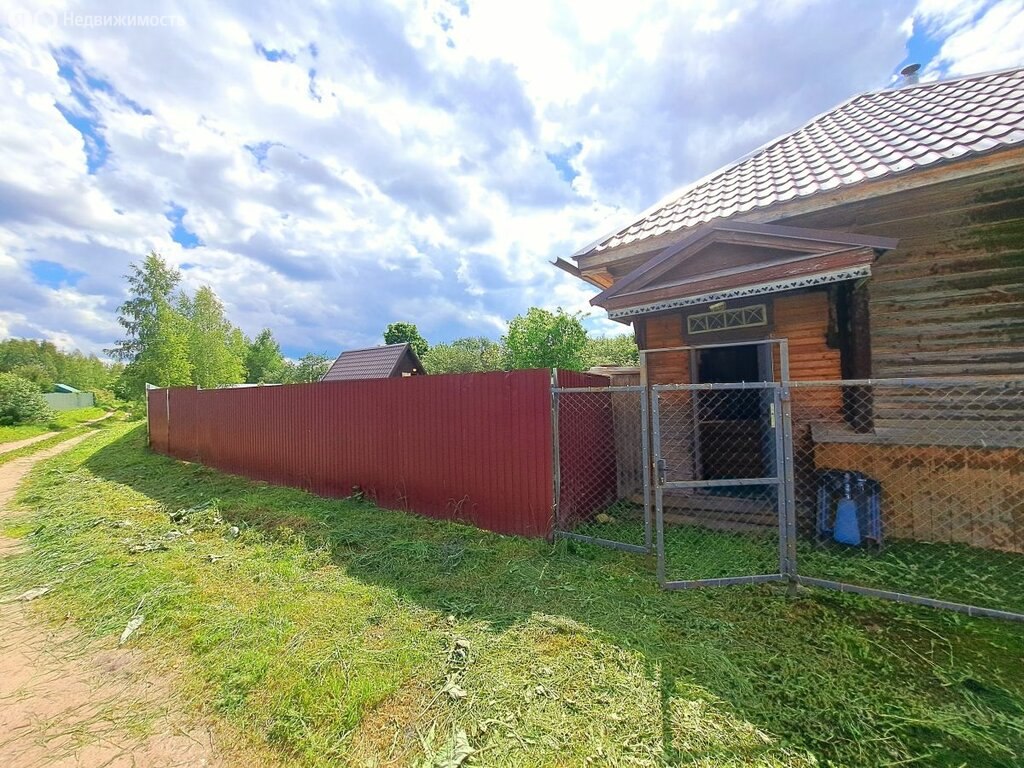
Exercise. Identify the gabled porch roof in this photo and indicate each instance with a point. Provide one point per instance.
(726, 260)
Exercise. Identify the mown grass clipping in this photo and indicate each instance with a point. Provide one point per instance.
(339, 633)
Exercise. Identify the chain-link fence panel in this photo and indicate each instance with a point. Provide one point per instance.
(602, 478)
(719, 503)
(912, 488)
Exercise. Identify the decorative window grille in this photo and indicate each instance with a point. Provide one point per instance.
(727, 319)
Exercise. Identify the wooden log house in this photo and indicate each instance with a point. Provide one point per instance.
(883, 239)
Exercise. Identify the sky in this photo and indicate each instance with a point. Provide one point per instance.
(331, 167)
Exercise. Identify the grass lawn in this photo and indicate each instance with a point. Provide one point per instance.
(336, 632)
(61, 420)
(952, 572)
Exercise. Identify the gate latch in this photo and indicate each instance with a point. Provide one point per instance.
(662, 468)
(771, 415)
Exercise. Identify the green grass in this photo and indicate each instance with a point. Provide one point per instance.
(61, 420)
(67, 419)
(59, 437)
(952, 572)
(339, 633)
(10, 433)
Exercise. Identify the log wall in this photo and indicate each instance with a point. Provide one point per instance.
(949, 300)
(661, 332)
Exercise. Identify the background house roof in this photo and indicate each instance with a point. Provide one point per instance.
(872, 135)
(372, 363)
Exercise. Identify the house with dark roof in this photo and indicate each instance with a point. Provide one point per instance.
(384, 362)
(883, 239)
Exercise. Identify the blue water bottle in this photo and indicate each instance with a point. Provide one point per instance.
(847, 529)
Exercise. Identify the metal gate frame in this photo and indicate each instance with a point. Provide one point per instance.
(787, 560)
(645, 443)
(782, 479)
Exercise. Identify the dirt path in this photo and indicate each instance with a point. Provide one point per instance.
(8, 447)
(67, 702)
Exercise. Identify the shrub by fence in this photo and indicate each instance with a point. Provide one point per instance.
(470, 447)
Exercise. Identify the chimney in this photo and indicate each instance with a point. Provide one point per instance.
(909, 73)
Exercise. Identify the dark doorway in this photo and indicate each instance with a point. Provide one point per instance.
(731, 422)
(729, 364)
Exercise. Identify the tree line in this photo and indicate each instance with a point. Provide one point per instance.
(176, 338)
(537, 339)
(44, 365)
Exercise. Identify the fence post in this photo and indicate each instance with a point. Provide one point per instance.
(659, 517)
(556, 469)
(788, 488)
(645, 451)
(645, 457)
(781, 503)
(149, 435)
(167, 430)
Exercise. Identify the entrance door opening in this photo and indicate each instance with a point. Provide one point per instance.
(731, 422)
(729, 364)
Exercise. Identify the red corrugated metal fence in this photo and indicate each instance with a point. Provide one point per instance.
(471, 447)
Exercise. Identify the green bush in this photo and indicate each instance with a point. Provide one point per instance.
(107, 400)
(136, 410)
(21, 402)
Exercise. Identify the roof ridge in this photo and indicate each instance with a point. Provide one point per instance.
(948, 80)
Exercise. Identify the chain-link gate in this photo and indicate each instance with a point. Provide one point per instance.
(912, 490)
(904, 489)
(720, 501)
(721, 508)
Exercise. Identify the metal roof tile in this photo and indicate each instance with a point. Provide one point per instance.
(372, 363)
(871, 135)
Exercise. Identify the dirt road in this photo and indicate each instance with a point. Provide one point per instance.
(9, 447)
(68, 701)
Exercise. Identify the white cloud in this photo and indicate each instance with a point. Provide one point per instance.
(941, 17)
(979, 37)
(392, 161)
